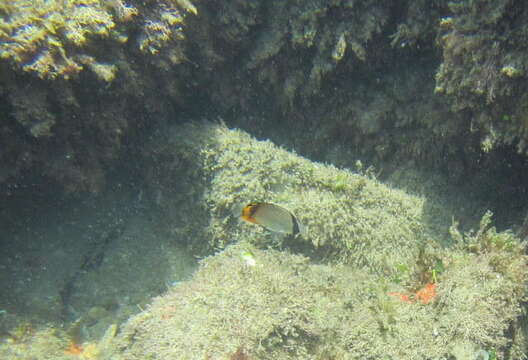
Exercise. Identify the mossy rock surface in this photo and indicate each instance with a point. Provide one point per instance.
(285, 307)
(202, 173)
(346, 289)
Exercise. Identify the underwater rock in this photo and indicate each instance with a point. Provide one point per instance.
(200, 172)
(285, 307)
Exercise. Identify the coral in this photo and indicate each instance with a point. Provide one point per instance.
(188, 6)
(425, 295)
(418, 27)
(158, 33)
(105, 72)
(162, 31)
(54, 39)
(287, 48)
(74, 349)
(298, 61)
(32, 110)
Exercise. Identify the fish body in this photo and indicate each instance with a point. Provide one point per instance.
(272, 217)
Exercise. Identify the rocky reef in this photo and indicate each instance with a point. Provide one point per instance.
(376, 274)
(286, 307)
(75, 86)
(220, 169)
(397, 82)
(408, 86)
(371, 277)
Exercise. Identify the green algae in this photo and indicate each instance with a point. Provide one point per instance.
(37, 35)
(335, 293)
(54, 39)
(349, 217)
(297, 299)
(290, 308)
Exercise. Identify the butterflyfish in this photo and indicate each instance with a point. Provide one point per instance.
(272, 217)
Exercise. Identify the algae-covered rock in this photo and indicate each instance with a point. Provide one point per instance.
(50, 343)
(57, 56)
(201, 174)
(347, 295)
(284, 307)
(38, 35)
(43, 344)
(484, 60)
(383, 286)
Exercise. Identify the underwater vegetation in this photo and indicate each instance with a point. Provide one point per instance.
(57, 57)
(286, 307)
(430, 83)
(41, 36)
(484, 61)
(49, 343)
(58, 38)
(346, 216)
(384, 283)
(419, 83)
(370, 277)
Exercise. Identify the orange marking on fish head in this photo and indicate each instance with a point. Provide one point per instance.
(248, 211)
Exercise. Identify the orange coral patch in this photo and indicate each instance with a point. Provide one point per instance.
(74, 349)
(402, 297)
(427, 293)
